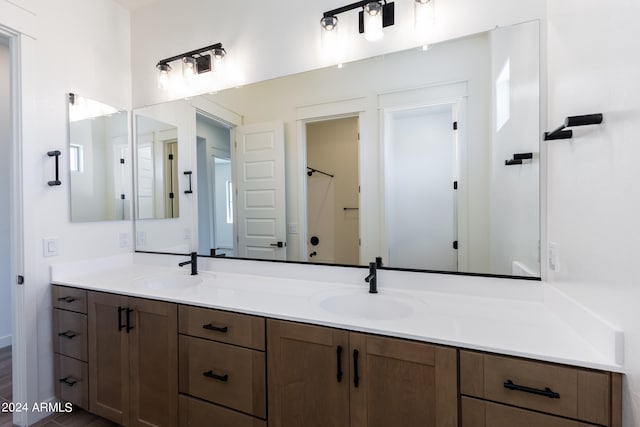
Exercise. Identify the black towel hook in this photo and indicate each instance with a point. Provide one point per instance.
(572, 121)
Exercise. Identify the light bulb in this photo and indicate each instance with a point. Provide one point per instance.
(329, 23)
(163, 75)
(373, 21)
(189, 69)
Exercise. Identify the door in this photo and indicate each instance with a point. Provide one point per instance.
(308, 371)
(108, 357)
(153, 358)
(420, 194)
(402, 383)
(260, 185)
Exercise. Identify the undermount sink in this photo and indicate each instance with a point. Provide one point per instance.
(167, 282)
(369, 306)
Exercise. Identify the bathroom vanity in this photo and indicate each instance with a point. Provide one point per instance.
(141, 342)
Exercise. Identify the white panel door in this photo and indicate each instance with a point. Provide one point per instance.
(420, 196)
(260, 188)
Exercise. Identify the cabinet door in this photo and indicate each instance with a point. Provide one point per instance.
(304, 365)
(399, 382)
(153, 347)
(108, 357)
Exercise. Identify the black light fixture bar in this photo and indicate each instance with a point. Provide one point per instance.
(388, 12)
(192, 53)
(347, 8)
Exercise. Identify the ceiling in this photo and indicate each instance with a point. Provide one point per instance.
(134, 4)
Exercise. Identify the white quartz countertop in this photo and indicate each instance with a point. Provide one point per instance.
(513, 325)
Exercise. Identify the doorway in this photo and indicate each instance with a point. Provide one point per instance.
(5, 214)
(333, 216)
(214, 187)
(421, 181)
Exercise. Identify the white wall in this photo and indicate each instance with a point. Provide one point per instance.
(593, 196)
(69, 46)
(5, 250)
(271, 39)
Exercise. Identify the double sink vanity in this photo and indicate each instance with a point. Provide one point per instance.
(141, 341)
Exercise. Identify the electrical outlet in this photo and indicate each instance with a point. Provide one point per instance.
(141, 238)
(293, 228)
(554, 257)
(50, 247)
(125, 240)
(187, 233)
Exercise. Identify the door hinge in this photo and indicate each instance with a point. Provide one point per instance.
(20, 280)
(122, 197)
(455, 245)
(171, 195)
(455, 125)
(122, 161)
(455, 185)
(170, 156)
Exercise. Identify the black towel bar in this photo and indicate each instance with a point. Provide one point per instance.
(572, 121)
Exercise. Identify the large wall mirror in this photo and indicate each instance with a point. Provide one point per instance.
(99, 161)
(429, 159)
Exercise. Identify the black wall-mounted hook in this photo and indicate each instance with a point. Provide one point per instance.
(190, 190)
(572, 121)
(56, 154)
(518, 158)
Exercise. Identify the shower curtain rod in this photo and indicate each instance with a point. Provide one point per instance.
(312, 170)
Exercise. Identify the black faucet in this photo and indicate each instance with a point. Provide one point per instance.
(194, 263)
(371, 279)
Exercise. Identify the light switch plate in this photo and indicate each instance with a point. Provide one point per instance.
(125, 240)
(50, 247)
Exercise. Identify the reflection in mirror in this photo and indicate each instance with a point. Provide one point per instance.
(99, 161)
(411, 166)
(157, 169)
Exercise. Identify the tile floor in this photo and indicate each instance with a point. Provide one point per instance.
(76, 418)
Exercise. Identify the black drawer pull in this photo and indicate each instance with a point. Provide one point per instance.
(129, 327)
(547, 392)
(210, 374)
(67, 299)
(339, 354)
(68, 334)
(68, 382)
(121, 326)
(356, 377)
(210, 327)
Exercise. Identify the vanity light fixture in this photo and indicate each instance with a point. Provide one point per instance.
(374, 16)
(195, 62)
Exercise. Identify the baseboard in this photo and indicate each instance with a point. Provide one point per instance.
(5, 341)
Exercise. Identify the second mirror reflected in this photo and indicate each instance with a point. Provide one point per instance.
(410, 163)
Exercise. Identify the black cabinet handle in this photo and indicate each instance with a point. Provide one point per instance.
(356, 377)
(55, 154)
(339, 356)
(67, 299)
(210, 327)
(68, 334)
(120, 325)
(547, 392)
(67, 381)
(129, 327)
(210, 374)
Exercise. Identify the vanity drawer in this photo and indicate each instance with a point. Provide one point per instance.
(570, 392)
(70, 334)
(478, 413)
(196, 413)
(225, 374)
(232, 328)
(70, 299)
(72, 381)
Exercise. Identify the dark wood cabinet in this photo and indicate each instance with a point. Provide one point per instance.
(70, 345)
(309, 374)
(133, 360)
(322, 376)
